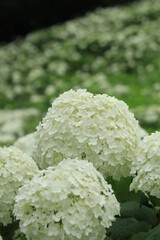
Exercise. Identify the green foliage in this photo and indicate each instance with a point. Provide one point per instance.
(138, 236)
(7, 232)
(124, 228)
(121, 189)
(140, 213)
(153, 234)
(107, 238)
(155, 201)
(134, 219)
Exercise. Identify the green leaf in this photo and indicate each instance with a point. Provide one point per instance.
(155, 201)
(124, 228)
(122, 192)
(141, 213)
(23, 238)
(8, 231)
(107, 238)
(139, 236)
(153, 234)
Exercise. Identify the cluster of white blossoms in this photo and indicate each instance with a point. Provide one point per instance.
(97, 128)
(16, 168)
(146, 167)
(26, 143)
(70, 201)
(1, 237)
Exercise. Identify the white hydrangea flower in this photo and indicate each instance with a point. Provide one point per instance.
(70, 201)
(26, 143)
(147, 166)
(98, 128)
(15, 169)
(1, 237)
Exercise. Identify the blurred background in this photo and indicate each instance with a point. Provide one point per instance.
(19, 17)
(48, 47)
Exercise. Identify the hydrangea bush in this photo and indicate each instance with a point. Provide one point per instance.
(114, 51)
(69, 201)
(16, 168)
(122, 58)
(82, 136)
(147, 166)
(98, 128)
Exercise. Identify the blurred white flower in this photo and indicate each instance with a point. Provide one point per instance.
(50, 90)
(12, 123)
(120, 89)
(26, 143)
(148, 115)
(5, 138)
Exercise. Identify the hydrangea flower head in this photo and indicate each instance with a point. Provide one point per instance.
(70, 201)
(15, 169)
(147, 166)
(98, 128)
